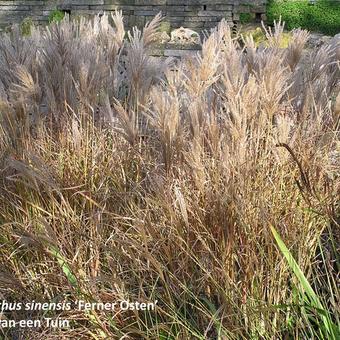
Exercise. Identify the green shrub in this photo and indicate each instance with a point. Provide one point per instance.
(257, 34)
(165, 26)
(26, 26)
(56, 16)
(245, 18)
(259, 37)
(323, 16)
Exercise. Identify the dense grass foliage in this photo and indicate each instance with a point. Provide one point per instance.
(124, 176)
(323, 16)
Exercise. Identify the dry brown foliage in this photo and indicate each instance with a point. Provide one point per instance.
(160, 182)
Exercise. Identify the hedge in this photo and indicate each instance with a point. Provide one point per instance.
(323, 16)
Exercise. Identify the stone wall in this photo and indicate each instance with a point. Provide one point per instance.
(194, 14)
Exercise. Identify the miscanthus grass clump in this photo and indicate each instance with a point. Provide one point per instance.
(209, 185)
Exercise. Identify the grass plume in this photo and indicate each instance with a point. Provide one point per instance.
(128, 177)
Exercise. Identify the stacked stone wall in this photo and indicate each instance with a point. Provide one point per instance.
(194, 14)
